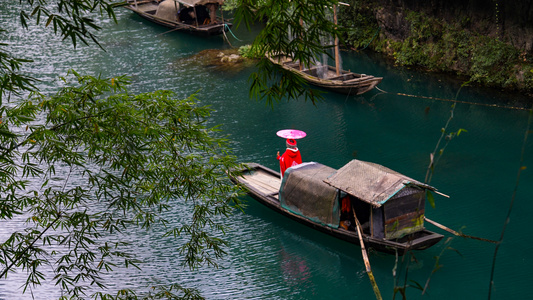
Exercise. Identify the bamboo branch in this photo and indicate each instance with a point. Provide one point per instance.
(513, 198)
(458, 233)
(4, 272)
(365, 258)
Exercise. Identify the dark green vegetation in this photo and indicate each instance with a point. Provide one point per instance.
(476, 49)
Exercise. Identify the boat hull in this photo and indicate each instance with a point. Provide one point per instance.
(263, 183)
(349, 83)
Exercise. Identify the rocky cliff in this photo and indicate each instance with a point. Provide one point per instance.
(509, 21)
(490, 42)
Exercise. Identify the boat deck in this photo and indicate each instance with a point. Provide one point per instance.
(263, 181)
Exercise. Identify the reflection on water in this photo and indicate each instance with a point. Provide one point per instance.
(294, 269)
(271, 257)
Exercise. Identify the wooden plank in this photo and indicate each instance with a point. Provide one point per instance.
(263, 182)
(265, 179)
(261, 187)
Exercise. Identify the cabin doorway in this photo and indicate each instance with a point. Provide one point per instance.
(198, 15)
(348, 205)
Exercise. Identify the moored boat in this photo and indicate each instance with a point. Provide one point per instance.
(332, 78)
(195, 16)
(325, 76)
(388, 206)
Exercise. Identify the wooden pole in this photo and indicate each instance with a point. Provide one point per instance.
(458, 233)
(337, 49)
(224, 27)
(365, 258)
(195, 16)
(439, 193)
(179, 27)
(337, 52)
(299, 62)
(177, 8)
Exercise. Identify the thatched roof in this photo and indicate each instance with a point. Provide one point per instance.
(371, 182)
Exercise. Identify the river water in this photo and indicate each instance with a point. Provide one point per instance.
(270, 257)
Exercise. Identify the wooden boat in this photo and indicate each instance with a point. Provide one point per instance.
(328, 77)
(194, 16)
(389, 206)
(344, 82)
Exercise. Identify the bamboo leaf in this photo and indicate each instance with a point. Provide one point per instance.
(50, 20)
(7, 134)
(430, 198)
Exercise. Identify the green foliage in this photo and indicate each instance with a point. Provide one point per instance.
(436, 45)
(439, 46)
(246, 51)
(232, 5)
(295, 28)
(490, 62)
(93, 161)
(68, 18)
(174, 292)
(11, 81)
(424, 28)
(133, 156)
(273, 82)
(361, 26)
(426, 45)
(401, 287)
(430, 198)
(438, 151)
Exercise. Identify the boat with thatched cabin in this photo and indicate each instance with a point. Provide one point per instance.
(195, 16)
(386, 206)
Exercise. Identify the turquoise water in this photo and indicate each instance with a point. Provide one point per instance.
(271, 257)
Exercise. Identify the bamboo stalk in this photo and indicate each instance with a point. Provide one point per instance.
(365, 258)
(337, 54)
(439, 193)
(458, 233)
(195, 15)
(224, 28)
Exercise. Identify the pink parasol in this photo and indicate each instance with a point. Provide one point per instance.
(291, 134)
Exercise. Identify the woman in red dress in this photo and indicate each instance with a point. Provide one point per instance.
(290, 158)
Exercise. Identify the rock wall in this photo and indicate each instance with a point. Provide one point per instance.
(511, 21)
